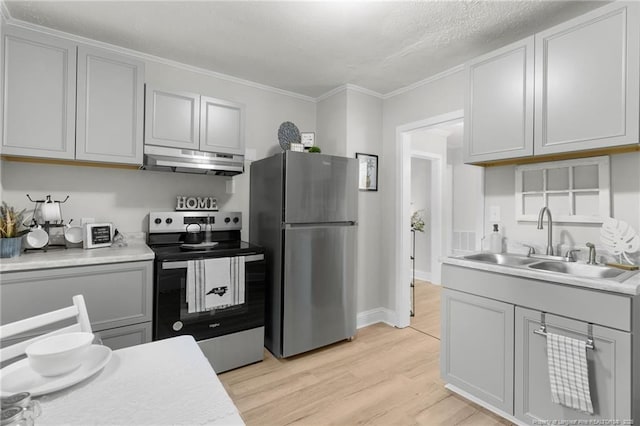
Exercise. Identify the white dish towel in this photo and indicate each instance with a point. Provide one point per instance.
(215, 283)
(568, 373)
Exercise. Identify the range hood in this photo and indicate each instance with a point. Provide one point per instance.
(188, 161)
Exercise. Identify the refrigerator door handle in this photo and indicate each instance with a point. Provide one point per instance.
(327, 224)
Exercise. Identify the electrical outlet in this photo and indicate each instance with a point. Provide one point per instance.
(494, 213)
(231, 186)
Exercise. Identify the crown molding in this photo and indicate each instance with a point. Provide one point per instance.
(349, 86)
(331, 92)
(364, 90)
(5, 14)
(428, 80)
(149, 57)
(4, 11)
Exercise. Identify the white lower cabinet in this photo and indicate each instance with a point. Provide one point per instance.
(119, 298)
(490, 353)
(476, 352)
(130, 335)
(609, 365)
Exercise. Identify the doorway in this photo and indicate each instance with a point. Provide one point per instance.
(438, 142)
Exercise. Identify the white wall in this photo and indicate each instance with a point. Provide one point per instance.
(421, 202)
(440, 96)
(625, 197)
(467, 203)
(433, 143)
(331, 124)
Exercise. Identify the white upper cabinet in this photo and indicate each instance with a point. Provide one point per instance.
(499, 104)
(48, 113)
(39, 88)
(172, 118)
(587, 75)
(221, 126)
(191, 121)
(110, 106)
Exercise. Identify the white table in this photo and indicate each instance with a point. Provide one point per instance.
(167, 382)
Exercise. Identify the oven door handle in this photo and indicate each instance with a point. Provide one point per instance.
(183, 264)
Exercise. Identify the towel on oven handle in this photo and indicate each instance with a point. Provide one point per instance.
(215, 283)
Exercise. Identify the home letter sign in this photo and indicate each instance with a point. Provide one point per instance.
(196, 203)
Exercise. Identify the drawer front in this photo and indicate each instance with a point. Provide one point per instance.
(129, 335)
(116, 294)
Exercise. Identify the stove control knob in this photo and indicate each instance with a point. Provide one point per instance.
(177, 326)
(158, 221)
(169, 221)
(235, 220)
(227, 220)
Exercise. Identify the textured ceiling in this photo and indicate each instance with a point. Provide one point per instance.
(308, 47)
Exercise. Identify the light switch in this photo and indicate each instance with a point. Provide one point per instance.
(494, 213)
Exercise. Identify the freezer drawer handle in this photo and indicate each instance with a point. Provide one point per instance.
(183, 265)
(542, 331)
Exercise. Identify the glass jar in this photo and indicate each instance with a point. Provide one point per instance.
(19, 410)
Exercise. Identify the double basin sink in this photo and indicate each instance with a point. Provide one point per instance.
(563, 267)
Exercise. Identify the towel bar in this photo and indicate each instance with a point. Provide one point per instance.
(542, 331)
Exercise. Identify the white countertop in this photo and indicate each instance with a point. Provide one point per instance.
(166, 382)
(629, 286)
(136, 250)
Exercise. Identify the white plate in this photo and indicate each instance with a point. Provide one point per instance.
(19, 377)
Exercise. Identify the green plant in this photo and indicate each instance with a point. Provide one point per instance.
(417, 223)
(314, 149)
(10, 222)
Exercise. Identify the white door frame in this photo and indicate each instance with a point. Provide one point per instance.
(403, 205)
(435, 199)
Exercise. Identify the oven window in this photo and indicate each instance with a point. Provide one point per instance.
(173, 294)
(173, 317)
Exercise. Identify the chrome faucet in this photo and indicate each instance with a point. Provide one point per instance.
(549, 228)
(592, 254)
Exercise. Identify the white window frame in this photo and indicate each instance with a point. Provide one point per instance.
(603, 190)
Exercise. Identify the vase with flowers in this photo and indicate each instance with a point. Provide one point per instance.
(417, 222)
(11, 231)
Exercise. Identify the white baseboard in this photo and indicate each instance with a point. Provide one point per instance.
(481, 403)
(374, 316)
(423, 276)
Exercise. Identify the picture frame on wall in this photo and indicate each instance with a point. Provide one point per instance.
(367, 172)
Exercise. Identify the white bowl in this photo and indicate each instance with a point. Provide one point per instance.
(36, 238)
(73, 234)
(56, 355)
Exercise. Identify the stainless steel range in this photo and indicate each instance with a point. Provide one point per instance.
(210, 284)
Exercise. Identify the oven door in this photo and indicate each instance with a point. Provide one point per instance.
(171, 313)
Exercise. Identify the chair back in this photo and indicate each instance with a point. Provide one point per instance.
(78, 312)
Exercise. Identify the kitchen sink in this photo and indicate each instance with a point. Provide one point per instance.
(502, 259)
(575, 269)
(580, 269)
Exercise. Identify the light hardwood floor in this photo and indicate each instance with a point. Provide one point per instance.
(386, 376)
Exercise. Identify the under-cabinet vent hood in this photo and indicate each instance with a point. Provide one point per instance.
(188, 161)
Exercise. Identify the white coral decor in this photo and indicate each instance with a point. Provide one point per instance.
(619, 238)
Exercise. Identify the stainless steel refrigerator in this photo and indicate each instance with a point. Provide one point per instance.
(303, 211)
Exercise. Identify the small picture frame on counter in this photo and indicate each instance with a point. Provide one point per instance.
(367, 172)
